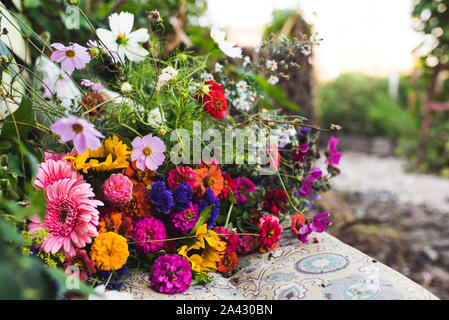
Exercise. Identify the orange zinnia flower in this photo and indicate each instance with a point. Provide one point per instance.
(229, 261)
(136, 176)
(209, 177)
(91, 101)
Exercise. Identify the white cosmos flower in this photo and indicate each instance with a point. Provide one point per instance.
(167, 74)
(242, 86)
(218, 67)
(55, 81)
(272, 65)
(227, 47)
(273, 79)
(241, 104)
(155, 117)
(121, 40)
(246, 61)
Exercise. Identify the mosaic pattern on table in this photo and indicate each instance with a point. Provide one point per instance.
(326, 270)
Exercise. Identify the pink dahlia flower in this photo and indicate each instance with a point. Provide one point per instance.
(117, 190)
(71, 218)
(71, 57)
(50, 171)
(148, 152)
(83, 133)
(81, 260)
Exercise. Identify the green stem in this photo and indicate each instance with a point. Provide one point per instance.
(229, 214)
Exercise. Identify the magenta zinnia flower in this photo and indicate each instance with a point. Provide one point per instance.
(149, 228)
(83, 133)
(183, 221)
(246, 244)
(71, 57)
(148, 152)
(334, 156)
(318, 224)
(117, 190)
(51, 171)
(243, 185)
(269, 230)
(180, 175)
(171, 274)
(71, 218)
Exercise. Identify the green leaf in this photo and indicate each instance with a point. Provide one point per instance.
(232, 198)
(24, 114)
(60, 277)
(32, 3)
(204, 216)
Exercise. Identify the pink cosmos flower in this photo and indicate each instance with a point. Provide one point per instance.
(318, 224)
(314, 174)
(71, 57)
(334, 155)
(148, 152)
(80, 131)
(96, 86)
(117, 190)
(71, 217)
(50, 171)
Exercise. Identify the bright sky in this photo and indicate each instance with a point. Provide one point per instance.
(371, 36)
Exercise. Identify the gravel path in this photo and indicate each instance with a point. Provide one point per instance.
(369, 173)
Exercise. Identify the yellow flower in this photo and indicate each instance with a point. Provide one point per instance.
(109, 251)
(113, 154)
(210, 247)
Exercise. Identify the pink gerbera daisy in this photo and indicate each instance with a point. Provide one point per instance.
(80, 131)
(148, 152)
(71, 217)
(71, 57)
(51, 171)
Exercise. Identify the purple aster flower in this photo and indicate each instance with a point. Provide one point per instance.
(300, 153)
(80, 131)
(318, 224)
(96, 86)
(207, 200)
(183, 221)
(149, 228)
(314, 174)
(71, 57)
(171, 274)
(161, 197)
(243, 185)
(182, 196)
(334, 156)
(304, 132)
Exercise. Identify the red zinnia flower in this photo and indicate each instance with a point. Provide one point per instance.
(214, 102)
(275, 201)
(270, 232)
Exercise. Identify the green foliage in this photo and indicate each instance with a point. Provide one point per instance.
(362, 105)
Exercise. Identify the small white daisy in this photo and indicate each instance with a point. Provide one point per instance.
(218, 67)
(273, 79)
(272, 65)
(241, 86)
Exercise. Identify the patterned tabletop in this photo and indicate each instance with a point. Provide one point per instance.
(325, 270)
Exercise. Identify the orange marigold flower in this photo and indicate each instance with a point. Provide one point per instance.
(109, 251)
(229, 261)
(140, 205)
(136, 176)
(113, 220)
(209, 177)
(91, 102)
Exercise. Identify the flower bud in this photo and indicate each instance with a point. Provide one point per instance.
(126, 87)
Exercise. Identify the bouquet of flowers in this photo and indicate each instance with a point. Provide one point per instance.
(163, 164)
